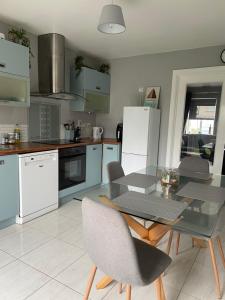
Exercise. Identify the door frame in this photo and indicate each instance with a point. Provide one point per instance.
(181, 78)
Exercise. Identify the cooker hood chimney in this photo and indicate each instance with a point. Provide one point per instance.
(51, 67)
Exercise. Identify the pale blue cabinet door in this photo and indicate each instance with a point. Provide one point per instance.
(93, 165)
(111, 152)
(96, 81)
(9, 186)
(14, 58)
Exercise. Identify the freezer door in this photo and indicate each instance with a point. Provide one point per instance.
(133, 163)
(135, 130)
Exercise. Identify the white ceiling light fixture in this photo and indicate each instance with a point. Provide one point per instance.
(111, 20)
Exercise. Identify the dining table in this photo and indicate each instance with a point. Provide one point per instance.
(177, 200)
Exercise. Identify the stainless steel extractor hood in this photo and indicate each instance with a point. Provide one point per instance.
(51, 67)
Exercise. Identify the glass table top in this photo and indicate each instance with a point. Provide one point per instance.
(203, 197)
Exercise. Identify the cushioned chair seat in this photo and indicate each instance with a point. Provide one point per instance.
(152, 262)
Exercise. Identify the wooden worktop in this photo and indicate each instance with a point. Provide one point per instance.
(30, 147)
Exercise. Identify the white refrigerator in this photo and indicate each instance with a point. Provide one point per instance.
(140, 138)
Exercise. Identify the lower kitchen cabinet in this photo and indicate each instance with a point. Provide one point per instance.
(111, 152)
(9, 186)
(93, 165)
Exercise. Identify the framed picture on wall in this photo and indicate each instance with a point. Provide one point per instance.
(152, 96)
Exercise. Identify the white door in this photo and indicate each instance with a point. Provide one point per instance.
(133, 163)
(181, 79)
(135, 130)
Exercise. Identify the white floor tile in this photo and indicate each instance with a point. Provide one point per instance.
(143, 293)
(181, 265)
(72, 210)
(54, 290)
(200, 282)
(183, 296)
(53, 224)
(76, 277)
(19, 243)
(73, 236)
(15, 228)
(53, 257)
(17, 281)
(5, 259)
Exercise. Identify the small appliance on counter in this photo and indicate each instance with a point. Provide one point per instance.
(76, 138)
(119, 132)
(97, 133)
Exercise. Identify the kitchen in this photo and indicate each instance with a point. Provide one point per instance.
(76, 157)
(72, 102)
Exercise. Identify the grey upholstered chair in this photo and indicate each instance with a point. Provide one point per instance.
(114, 170)
(195, 167)
(194, 164)
(115, 252)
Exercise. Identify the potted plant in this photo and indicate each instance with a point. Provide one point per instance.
(104, 68)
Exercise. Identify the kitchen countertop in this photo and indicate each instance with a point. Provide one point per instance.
(30, 147)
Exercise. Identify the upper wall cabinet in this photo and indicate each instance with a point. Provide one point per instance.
(94, 89)
(14, 74)
(14, 58)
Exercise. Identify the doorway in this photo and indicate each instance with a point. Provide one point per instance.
(196, 124)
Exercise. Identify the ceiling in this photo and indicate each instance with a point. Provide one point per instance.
(153, 26)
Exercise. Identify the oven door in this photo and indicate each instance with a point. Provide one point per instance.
(72, 170)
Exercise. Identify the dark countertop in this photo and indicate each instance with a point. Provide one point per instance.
(30, 147)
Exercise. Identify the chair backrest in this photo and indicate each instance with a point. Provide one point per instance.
(194, 164)
(109, 242)
(114, 170)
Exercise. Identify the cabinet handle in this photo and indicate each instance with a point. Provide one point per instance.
(109, 148)
(98, 87)
(94, 148)
(2, 65)
(41, 166)
(2, 162)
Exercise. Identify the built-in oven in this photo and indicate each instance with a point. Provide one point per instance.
(72, 166)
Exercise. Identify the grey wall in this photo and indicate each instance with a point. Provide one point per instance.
(10, 115)
(129, 74)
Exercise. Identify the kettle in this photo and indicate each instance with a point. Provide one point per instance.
(97, 133)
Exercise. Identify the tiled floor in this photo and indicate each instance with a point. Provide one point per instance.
(45, 259)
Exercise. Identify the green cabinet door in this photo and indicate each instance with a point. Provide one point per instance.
(9, 186)
(93, 165)
(111, 152)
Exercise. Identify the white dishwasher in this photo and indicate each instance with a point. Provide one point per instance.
(38, 180)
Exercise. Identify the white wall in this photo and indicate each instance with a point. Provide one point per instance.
(128, 74)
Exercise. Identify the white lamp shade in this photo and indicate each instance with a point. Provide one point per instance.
(111, 19)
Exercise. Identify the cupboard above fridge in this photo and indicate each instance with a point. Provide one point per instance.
(92, 88)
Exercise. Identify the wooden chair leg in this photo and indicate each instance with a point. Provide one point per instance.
(120, 288)
(159, 289)
(215, 269)
(104, 282)
(221, 250)
(169, 243)
(193, 242)
(90, 282)
(128, 292)
(178, 243)
(162, 289)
